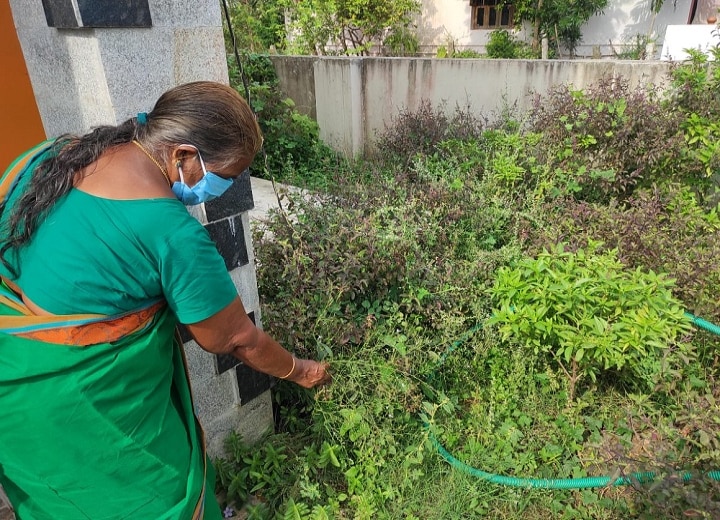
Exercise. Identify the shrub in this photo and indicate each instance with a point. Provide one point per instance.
(374, 246)
(420, 131)
(402, 41)
(695, 86)
(292, 148)
(589, 314)
(501, 45)
(466, 53)
(663, 230)
(381, 274)
(607, 140)
(257, 26)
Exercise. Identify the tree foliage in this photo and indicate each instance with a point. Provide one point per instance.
(559, 20)
(259, 25)
(349, 27)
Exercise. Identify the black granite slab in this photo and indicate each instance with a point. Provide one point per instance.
(237, 199)
(60, 14)
(97, 13)
(251, 383)
(229, 237)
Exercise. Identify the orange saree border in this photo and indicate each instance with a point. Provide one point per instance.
(64, 330)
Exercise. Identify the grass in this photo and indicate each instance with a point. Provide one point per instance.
(389, 273)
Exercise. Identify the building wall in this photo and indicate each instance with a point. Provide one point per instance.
(21, 126)
(83, 77)
(448, 21)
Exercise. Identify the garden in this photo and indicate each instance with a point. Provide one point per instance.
(517, 309)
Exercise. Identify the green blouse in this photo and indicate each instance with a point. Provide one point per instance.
(107, 256)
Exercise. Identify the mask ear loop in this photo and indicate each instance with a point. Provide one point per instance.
(180, 172)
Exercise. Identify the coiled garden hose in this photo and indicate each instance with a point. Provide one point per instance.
(560, 483)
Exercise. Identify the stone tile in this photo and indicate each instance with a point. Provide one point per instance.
(251, 383)
(113, 13)
(28, 14)
(97, 13)
(70, 65)
(186, 13)
(237, 199)
(229, 238)
(199, 54)
(201, 363)
(146, 75)
(60, 13)
(250, 421)
(246, 282)
(215, 396)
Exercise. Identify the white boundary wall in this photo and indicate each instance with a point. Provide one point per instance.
(354, 98)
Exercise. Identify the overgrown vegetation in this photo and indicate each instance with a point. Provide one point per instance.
(292, 150)
(503, 44)
(515, 291)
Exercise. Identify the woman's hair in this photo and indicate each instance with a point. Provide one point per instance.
(211, 116)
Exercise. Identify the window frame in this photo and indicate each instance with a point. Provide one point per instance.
(486, 6)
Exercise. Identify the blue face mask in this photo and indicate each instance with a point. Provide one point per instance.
(208, 188)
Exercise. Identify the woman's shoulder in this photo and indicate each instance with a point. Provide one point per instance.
(148, 219)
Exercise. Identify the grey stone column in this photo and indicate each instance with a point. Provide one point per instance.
(229, 395)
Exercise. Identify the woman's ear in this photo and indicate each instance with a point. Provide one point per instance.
(182, 152)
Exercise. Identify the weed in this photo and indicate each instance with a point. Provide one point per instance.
(391, 271)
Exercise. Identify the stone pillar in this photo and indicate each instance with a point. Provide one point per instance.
(230, 396)
(101, 62)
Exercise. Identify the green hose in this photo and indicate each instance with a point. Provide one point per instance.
(701, 323)
(560, 483)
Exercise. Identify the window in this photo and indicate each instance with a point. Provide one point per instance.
(491, 14)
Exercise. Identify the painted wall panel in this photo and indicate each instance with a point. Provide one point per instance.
(20, 125)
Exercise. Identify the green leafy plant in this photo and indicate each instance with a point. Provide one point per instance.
(666, 230)
(402, 41)
(703, 139)
(589, 314)
(636, 49)
(292, 151)
(559, 20)
(258, 26)
(605, 141)
(419, 131)
(695, 86)
(502, 44)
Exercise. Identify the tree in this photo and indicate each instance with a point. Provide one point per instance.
(559, 20)
(259, 25)
(350, 27)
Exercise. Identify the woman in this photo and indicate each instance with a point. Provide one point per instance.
(99, 261)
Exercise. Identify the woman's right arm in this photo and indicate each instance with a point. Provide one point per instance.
(230, 331)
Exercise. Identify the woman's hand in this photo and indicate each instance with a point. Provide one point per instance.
(230, 331)
(309, 373)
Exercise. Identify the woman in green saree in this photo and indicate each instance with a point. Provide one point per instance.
(100, 261)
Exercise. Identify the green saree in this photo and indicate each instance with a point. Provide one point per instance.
(96, 414)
